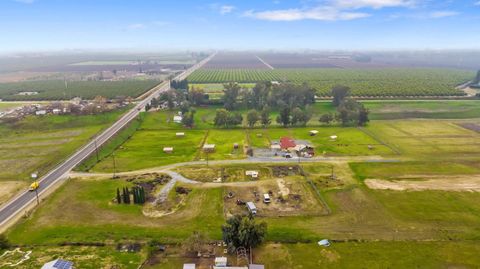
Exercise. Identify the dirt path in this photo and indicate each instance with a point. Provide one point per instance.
(470, 183)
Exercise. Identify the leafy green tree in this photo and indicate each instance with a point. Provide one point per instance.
(119, 198)
(234, 119)
(284, 117)
(252, 118)
(188, 118)
(339, 94)
(221, 117)
(230, 95)
(326, 118)
(363, 115)
(185, 107)
(243, 231)
(265, 117)
(196, 96)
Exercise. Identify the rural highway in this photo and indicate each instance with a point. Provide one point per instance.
(59, 173)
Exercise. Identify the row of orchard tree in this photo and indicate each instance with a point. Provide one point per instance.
(137, 192)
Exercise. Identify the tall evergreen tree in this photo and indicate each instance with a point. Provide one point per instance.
(119, 198)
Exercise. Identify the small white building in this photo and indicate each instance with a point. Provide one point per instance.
(221, 261)
(333, 137)
(188, 266)
(58, 264)
(177, 119)
(313, 132)
(56, 111)
(40, 112)
(168, 149)
(180, 134)
(209, 147)
(252, 173)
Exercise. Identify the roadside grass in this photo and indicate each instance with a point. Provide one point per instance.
(145, 149)
(83, 211)
(370, 255)
(85, 257)
(39, 143)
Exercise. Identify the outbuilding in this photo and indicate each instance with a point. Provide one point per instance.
(189, 266)
(313, 132)
(177, 119)
(333, 137)
(221, 261)
(252, 173)
(180, 134)
(168, 149)
(209, 147)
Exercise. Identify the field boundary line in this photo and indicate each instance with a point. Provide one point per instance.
(379, 140)
(317, 191)
(265, 63)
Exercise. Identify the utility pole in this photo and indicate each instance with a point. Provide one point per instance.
(207, 156)
(36, 194)
(114, 165)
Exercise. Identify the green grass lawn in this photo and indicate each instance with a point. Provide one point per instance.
(224, 140)
(370, 255)
(83, 211)
(145, 149)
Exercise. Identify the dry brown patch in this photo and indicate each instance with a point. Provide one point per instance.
(9, 189)
(469, 183)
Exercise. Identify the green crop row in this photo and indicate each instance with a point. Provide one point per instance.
(363, 82)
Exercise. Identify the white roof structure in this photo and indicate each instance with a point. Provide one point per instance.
(41, 112)
(167, 149)
(188, 266)
(209, 146)
(333, 137)
(177, 119)
(221, 261)
(180, 134)
(324, 243)
(251, 173)
(58, 264)
(256, 266)
(314, 132)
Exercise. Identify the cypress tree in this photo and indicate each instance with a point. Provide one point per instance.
(127, 191)
(142, 195)
(135, 195)
(119, 198)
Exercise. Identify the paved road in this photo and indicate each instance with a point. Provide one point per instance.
(19, 203)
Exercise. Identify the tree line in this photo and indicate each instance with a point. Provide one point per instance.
(138, 193)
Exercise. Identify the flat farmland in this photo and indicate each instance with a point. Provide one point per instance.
(234, 60)
(438, 139)
(394, 82)
(55, 89)
(37, 144)
(224, 141)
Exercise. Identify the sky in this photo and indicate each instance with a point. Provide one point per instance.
(53, 25)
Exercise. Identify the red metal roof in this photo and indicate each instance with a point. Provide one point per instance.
(287, 142)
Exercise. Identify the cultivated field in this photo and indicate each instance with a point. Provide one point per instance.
(394, 82)
(57, 90)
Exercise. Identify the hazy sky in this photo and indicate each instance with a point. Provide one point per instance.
(278, 24)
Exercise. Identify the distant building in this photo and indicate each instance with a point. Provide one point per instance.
(177, 119)
(209, 147)
(287, 143)
(256, 266)
(40, 112)
(168, 149)
(189, 266)
(58, 264)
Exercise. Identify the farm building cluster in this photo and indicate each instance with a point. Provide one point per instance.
(76, 106)
(288, 147)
